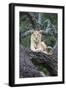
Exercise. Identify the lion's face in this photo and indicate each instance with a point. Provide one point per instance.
(36, 36)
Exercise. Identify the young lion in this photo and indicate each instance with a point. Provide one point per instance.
(36, 43)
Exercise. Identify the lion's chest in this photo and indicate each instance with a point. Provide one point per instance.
(36, 43)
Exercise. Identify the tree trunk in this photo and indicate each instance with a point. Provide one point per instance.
(28, 69)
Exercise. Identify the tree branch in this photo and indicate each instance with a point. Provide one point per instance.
(50, 60)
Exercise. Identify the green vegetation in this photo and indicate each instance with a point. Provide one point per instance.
(26, 41)
(47, 20)
(41, 67)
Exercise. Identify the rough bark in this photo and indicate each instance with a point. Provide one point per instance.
(28, 69)
(49, 60)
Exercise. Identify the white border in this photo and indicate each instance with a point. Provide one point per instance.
(41, 79)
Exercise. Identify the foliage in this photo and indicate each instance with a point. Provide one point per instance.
(48, 20)
(42, 67)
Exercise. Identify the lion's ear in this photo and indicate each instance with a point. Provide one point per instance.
(32, 31)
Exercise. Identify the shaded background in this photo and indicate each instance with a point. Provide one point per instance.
(43, 20)
(38, 21)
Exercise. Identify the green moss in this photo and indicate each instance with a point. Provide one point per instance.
(49, 40)
(41, 67)
(26, 41)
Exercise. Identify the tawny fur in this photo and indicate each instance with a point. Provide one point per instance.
(36, 43)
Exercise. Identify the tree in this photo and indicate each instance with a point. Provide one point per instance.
(34, 22)
(28, 69)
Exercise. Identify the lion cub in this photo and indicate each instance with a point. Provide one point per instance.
(36, 43)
